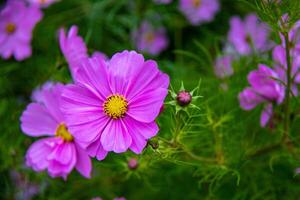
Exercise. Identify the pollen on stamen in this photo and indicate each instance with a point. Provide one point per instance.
(115, 106)
(10, 28)
(63, 132)
(196, 3)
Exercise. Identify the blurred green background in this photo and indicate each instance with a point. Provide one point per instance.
(165, 172)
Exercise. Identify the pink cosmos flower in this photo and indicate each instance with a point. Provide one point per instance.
(114, 104)
(279, 56)
(248, 34)
(199, 11)
(58, 152)
(223, 66)
(265, 88)
(42, 3)
(149, 39)
(16, 24)
(74, 49)
(162, 1)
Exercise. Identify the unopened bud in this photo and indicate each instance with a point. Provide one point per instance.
(184, 98)
(133, 163)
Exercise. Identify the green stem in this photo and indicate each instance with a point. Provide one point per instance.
(288, 89)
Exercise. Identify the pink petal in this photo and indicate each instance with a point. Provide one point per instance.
(146, 107)
(115, 137)
(266, 115)
(95, 149)
(62, 153)
(36, 156)
(83, 164)
(37, 121)
(139, 133)
(92, 74)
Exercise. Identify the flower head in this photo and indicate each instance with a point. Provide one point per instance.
(265, 88)
(199, 11)
(248, 34)
(114, 104)
(223, 66)
(58, 152)
(149, 39)
(16, 24)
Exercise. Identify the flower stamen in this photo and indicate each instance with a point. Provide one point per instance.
(10, 28)
(63, 132)
(196, 3)
(115, 106)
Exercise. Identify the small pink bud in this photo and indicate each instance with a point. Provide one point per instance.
(184, 98)
(132, 163)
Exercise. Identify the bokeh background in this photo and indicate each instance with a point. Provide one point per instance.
(164, 172)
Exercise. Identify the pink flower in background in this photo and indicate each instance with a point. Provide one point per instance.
(162, 1)
(264, 89)
(42, 3)
(16, 24)
(120, 198)
(223, 66)
(114, 104)
(149, 39)
(58, 151)
(199, 11)
(74, 49)
(248, 34)
(279, 56)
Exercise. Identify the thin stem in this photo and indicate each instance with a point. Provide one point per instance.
(288, 89)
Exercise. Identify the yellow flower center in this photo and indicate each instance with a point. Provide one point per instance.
(196, 3)
(63, 132)
(43, 1)
(10, 28)
(115, 106)
(149, 37)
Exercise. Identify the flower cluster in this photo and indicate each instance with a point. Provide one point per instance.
(112, 106)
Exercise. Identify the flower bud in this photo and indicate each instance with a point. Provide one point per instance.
(184, 98)
(132, 163)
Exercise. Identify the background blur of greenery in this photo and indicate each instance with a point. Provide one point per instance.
(164, 173)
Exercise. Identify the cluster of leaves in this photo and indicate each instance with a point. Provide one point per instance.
(211, 150)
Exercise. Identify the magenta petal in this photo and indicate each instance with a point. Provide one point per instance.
(83, 164)
(62, 153)
(115, 137)
(51, 99)
(37, 121)
(36, 156)
(146, 107)
(95, 149)
(249, 99)
(92, 74)
(266, 115)
(140, 132)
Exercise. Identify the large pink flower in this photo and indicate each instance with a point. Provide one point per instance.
(59, 152)
(16, 24)
(74, 49)
(114, 104)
